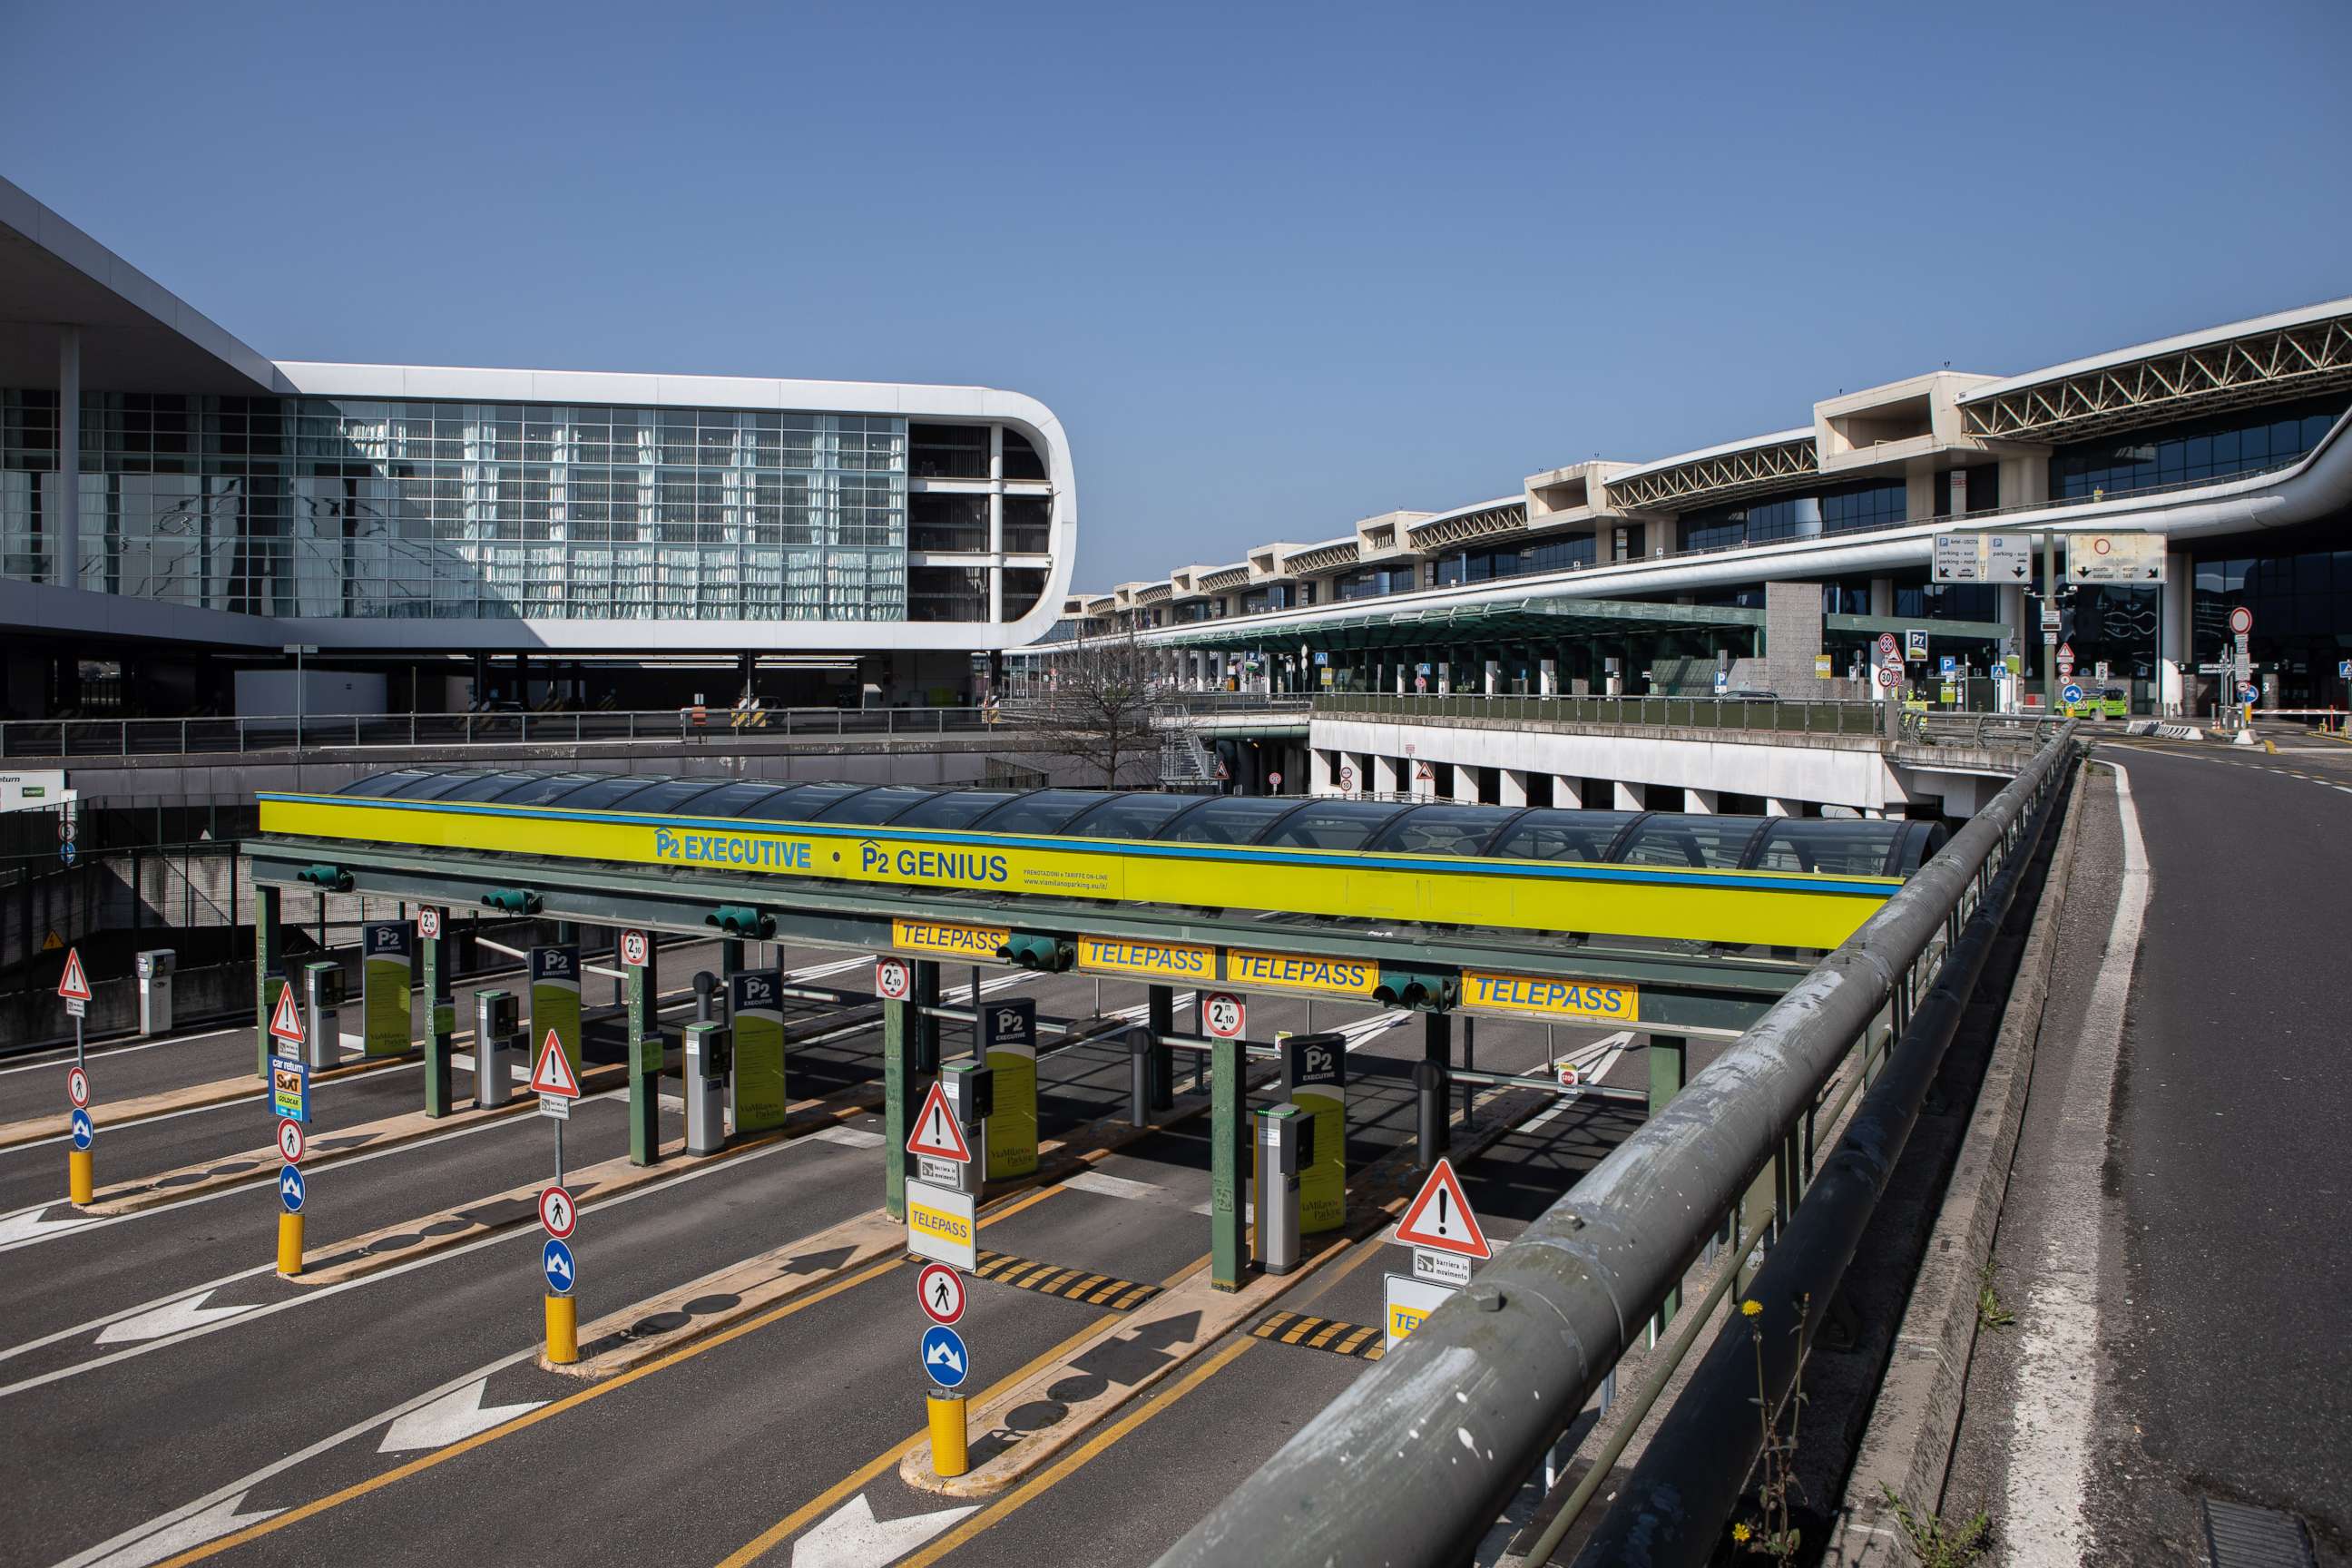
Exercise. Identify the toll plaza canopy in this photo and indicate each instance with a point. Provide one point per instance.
(1171, 887)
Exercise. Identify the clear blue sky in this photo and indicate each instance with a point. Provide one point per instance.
(1275, 266)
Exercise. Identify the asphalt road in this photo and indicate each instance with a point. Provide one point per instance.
(2204, 1285)
(180, 1390)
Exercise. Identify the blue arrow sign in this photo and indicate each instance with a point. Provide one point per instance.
(290, 1188)
(555, 1262)
(2071, 693)
(66, 851)
(944, 1357)
(85, 1130)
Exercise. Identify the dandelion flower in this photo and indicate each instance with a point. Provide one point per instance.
(1751, 1308)
(1741, 1533)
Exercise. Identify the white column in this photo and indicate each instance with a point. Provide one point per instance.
(1701, 802)
(1444, 678)
(1568, 792)
(1401, 677)
(1630, 796)
(1466, 784)
(1882, 596)
(66, 559)
(1775, 805)
(1494, 676)
(1548, 676)
(2176, 655)
(1515, 787)
(1322, 775)
(995, 522)
(1384, 779)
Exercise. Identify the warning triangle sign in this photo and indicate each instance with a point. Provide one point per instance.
(553, 1074)
(936, 1132)
(74, 985)
(286, 1023)
(1441, 1217)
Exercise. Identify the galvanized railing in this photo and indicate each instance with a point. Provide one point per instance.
(1417, 1459)
(62, 737)
(1773, 714)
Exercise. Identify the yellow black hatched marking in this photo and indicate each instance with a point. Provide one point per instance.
(1071, 1284)
(1315, 1333)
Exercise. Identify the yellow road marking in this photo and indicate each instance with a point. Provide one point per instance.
(1069, 1464)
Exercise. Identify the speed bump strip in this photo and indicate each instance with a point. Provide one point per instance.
(1358, 1339)
(1072, 1284)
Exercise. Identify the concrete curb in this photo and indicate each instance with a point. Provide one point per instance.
(1907, 1445)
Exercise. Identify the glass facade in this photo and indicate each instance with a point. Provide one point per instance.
(1375, 583)
(2302, 601)
(448, 510)
(2241, 443)
(1512, 560)
(1874, 504)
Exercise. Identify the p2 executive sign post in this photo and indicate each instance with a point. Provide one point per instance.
(1008, 1044)
(756, 1004)
(1315, 1078)
(387, 976)
(555, 997)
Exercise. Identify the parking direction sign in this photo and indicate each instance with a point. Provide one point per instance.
(893, 980)
(1224, 1015)
(558, 1214)
(78, 1086)
(636, 947)
(555, 1262)
(85, 1130)
(291, 1142)
(291, 1188)
(940, 1289)
(944, 1356)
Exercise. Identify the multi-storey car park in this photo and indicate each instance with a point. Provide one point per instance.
(176, 508)
(1614, 576)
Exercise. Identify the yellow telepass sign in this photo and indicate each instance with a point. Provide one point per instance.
(939, 1225)
(1170, 960)
(1290, 972)
(948, 940)
(1615, 1001)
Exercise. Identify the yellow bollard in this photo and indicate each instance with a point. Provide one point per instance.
(563, 1329)
(290, 1244)
(80, 1183)
(950, 1456)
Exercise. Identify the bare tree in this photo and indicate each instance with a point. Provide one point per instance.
(1096, 703)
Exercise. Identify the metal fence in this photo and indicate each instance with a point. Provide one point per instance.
(1771, 714)
(1417, 1459)
(43, 738)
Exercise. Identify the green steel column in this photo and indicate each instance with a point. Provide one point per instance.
(1228, 1128)
(730, 960)
(441, 1022)
(1669, 1066)
(910, 1055)
(269, 966)
(645, 1068)
(1160, 1079)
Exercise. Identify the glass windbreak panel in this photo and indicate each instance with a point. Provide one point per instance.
(874, 805)
(1129, 815)
(488, 787)
(729, 800)
(1921, 840)
(545, 787)
(955, 810)
(671, 793)
(1833, 847)
(1441, 831)
(1563, 834)
(379, 786)
(1333, 824)
(434, 786)
(1672, 839)
(800, 804)
(608, 793)
(1232, 819)
(1039, 811)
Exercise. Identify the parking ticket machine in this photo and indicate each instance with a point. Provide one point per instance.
(498, 1045)
(1285, 1147)
(708, 1057)
(323, 995)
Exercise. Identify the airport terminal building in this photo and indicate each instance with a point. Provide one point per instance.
(176, 508)
(1779, 561)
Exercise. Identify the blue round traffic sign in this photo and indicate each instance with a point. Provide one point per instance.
(2250, 694)
(85, 1130)
(555, 1262)
(944, 1356)
(66, 851)
(290, 1188)
(2071, 693)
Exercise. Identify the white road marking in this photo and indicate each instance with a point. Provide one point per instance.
(455, 1416)
(1108, 1186)
(2058, 1355)
(326, 1292)
(81, 1328)
(851, 1537)
(1596, 1060)
(208, 1524)
(849, 1137)
(57, 1057)
(34, 1225)
(172, 1318)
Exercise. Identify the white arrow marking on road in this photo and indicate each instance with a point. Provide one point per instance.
(171, 1318)
(221, 1519)
(34, 1223)
(854, 1537)
(459, 1413)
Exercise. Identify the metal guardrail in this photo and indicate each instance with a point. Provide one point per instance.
(1415, 1461)
(1769, 714)
(60, 738)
